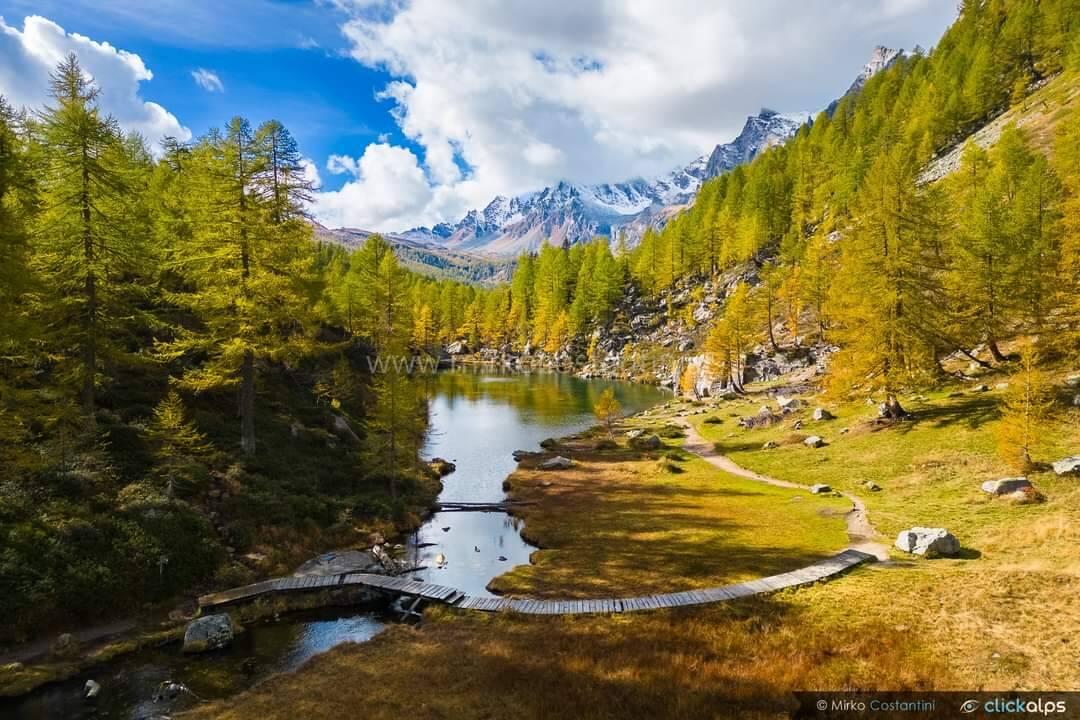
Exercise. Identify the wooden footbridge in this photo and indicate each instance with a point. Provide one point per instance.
(399, 586)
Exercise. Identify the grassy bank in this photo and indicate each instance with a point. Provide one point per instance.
(1001, 616)
(623, 523)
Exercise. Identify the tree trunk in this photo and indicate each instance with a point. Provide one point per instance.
(995, 352)
(892, 409)
(247, 404)
(89, 343)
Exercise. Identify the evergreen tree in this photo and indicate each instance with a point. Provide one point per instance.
(80, 246)
(247, 261)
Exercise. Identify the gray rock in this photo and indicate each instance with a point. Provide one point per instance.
(872, 486)
(980, 389)
(814, 441)
(769, 445)
(65, 645)
(787, 404)
(556, 463)
(651, 442)
(1076, 400)
(820, 489)
(928, 542)
(460, 348)
(91, 689)
(822, 414)
(1006, 486)
(212, 632)
(341, 427)
(1068, 466)
(636, 433)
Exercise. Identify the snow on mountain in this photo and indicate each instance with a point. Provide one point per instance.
(881, 58)
(760, 132)
(577, 213)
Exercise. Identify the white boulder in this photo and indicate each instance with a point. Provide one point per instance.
(1006, 486)
(1068, 466)
(928, 542)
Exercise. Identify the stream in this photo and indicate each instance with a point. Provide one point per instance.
(479, 416)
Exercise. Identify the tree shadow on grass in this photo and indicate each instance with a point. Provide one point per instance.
(974, 412)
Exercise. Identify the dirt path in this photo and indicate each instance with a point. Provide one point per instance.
(85, 637)
(861, 533)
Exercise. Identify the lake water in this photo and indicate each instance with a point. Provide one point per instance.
(479, 416)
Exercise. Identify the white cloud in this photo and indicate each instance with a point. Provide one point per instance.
(522, 94)
(389, 191)
(342, 165)
(208, 80)
(311, 172)
(28, 56)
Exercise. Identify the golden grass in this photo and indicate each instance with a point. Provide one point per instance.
(715, 662)
(1004, 616)
(618, 524)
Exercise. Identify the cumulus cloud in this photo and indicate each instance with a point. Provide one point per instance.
(208, 80)
(506, 97)
(311, 172)
(28, 56)
(388, 193)
(343, 164)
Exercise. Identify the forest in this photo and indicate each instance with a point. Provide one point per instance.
(185, 374)
(840, 238)
(167, 318)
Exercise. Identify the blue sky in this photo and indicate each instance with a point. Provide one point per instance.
(414, 111)
(285, 59)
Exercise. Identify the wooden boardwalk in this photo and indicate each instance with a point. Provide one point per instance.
(816, 572)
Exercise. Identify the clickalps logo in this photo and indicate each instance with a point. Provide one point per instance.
(1015, 706)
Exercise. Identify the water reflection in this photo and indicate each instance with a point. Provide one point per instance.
(479, 417)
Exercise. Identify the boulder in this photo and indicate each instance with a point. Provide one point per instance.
(459, 347)
(820, 489)
(769, 445)
(822, 414)
(814, 441)
(341, 428)
(91, 689)
(872, 486)
(652, 442)
(928, 542)
(788, 404)
(634, 434)
(65, 645)
(1068, 466)
(556, 463)
(1006, 486)
(980, 389)
(212, 632)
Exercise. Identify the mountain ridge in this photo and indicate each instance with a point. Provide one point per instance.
(573, 213)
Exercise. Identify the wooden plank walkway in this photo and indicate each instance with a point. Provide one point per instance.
(822, 570)
(816, 572)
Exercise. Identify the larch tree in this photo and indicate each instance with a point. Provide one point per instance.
(246, 263)
(81, 237)
(1027, 409)
(608, 410)
(885, 299)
